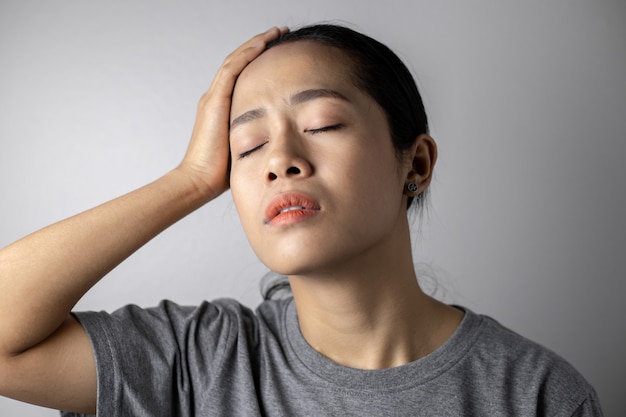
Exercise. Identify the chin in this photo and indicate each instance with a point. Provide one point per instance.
(293, 264)
(288, 268)
(301, 254)
(298, 265)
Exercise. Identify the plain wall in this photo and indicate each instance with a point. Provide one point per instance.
(527, 101)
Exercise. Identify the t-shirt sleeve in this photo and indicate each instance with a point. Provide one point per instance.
(534, 379)
(157, 361)
(590, 407)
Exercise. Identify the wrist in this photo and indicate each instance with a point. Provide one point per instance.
(193, 187)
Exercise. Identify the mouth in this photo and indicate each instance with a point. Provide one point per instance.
(289, 208)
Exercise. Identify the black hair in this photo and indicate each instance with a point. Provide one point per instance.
(380, 73)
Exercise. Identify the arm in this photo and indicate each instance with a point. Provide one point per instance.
(45, 356)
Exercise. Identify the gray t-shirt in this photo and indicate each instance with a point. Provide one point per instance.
(222, 359)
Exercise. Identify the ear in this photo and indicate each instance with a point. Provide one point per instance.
(421, 159)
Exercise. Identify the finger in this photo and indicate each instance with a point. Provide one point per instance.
(262, 39)
(235, 62)
(255, 44)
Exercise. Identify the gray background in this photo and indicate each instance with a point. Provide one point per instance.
(527, 101)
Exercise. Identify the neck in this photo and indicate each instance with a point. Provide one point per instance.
(372, 314)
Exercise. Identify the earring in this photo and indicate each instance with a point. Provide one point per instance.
(412, 187)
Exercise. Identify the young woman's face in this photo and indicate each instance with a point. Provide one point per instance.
(314, 175)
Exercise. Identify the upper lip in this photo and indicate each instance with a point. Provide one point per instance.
(289, 199)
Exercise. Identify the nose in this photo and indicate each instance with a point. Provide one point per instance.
(287, 159)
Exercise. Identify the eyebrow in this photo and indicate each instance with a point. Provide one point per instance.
(247, 117)
(315, 93)
(297, 98)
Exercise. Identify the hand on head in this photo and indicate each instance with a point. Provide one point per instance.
(207, 157)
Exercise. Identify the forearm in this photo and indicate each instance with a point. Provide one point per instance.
(43, 275)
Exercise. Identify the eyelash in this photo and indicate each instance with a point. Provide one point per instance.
(248, 152)
(325, 129)
(311, 131)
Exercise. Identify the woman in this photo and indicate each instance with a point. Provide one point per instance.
(322, 137)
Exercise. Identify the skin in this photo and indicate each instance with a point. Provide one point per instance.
(43, 275)
(349, 263)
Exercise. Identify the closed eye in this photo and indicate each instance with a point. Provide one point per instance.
(324, 129)
(250, 151)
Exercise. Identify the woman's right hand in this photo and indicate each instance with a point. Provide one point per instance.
(207, 159)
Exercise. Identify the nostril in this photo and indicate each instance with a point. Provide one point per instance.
(271, 176)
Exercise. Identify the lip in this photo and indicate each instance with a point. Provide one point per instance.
(290, 207)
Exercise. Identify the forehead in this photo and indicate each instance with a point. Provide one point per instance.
(293, 66)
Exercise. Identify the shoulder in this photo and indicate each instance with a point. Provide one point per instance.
(524, 369)
(171, 321)
(179, 346)
(170, 312)
(514, 352)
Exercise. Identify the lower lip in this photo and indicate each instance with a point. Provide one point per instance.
(292, 217)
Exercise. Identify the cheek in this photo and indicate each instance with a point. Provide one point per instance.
(247, 196)
(243, 197)
(242, 175)
(382, 182)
